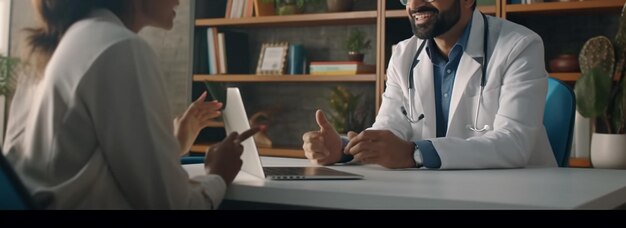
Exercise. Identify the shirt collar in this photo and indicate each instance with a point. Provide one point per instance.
(106, 15)
(431, 46)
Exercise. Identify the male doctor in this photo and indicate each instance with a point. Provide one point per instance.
(466, 92)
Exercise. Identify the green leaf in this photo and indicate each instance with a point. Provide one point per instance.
(8, 67)
(618, 117)
(592, 93)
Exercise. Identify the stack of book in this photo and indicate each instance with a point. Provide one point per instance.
(223, 52)
(341, 68)
(248, 8)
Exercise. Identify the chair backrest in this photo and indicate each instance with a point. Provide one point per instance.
(13, 194)
(558, 118)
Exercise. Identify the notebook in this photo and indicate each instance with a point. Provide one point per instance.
(235, 119)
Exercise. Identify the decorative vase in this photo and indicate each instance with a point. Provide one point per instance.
(608, 151)
(339, 5)
(355, 56)
(564, 63)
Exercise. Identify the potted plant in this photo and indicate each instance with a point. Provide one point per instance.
(288, 7)
(8, 67)
(339, 5)
(346, 115)
(356, 44)
(603, 99)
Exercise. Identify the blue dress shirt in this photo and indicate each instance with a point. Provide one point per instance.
(444, 72)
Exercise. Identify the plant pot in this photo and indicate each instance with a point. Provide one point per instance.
(608, 151)
(288, 9)
(339, 5)
(564, 63)
(355, 56)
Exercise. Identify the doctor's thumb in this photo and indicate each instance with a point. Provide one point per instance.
(322, 121)
(352, 134)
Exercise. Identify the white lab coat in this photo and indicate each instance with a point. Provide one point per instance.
(513, 100)
(96, 132)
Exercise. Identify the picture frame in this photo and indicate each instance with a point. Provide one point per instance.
(272, 58)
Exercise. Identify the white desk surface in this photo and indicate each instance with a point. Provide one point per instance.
(530, 188)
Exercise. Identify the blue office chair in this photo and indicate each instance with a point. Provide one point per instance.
(13, 194)
(558, 118)
(191, 159)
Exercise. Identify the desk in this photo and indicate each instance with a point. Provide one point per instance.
(530, 188)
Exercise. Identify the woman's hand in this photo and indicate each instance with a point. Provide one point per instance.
(224, 158)
(197, 116)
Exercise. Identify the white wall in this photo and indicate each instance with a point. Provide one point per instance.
(5, 6)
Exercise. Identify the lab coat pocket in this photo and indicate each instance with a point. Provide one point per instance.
(491, 102)
(487, 110)
(416, 130)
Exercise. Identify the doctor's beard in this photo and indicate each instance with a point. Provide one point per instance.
(437, 25)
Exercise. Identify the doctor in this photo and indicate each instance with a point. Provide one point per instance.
(466, 92)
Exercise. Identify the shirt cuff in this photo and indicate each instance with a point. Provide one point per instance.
(430, 157)
(214, 187)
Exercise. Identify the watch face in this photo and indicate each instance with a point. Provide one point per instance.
(417, 156)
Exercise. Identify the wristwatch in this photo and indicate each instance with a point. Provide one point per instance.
(417, 156)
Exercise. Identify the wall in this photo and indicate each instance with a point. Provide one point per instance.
(171, 46)
(4, 20)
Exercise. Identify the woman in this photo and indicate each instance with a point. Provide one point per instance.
(93, 129)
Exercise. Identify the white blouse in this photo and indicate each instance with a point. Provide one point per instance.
(96, 132)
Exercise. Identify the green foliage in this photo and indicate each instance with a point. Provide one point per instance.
(298, 3)
(8, 67)
(346, 115)
(356, 41)
(593, 90)
(598, 96)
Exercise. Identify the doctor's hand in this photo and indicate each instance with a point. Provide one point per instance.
(381, 147)
(224, 158)
(322, 147)
(197, 117)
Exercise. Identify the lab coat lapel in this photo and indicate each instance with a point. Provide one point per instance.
(424, 84)
(469, 66)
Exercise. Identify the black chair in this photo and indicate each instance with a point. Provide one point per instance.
(13, 194)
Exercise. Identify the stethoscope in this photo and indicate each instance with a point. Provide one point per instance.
(483, 82)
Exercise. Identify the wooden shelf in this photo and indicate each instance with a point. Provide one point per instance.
(566, 77)
(356, 17)
(573, 76)
(278, 152)
(563, 7)
(285, 78)
(273, 152)
(579, 163)
(216, 124)
(402, 13)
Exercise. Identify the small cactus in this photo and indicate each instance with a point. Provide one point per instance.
(597, 95)
(597, 53)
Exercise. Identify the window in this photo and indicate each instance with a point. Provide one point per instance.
(5, 6)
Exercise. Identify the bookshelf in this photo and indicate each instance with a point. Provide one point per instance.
(525, 14)
(389, 21)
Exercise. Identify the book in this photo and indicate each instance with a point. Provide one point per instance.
(296, 62)
(341, 68)
(213, 52)
(262, 8)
